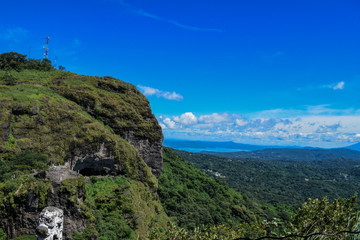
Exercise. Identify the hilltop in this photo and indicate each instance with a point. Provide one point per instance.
(92, 126)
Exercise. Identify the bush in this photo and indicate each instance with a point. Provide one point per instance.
(23, 163)
(2, 235)
(29, 161)
(8, 79)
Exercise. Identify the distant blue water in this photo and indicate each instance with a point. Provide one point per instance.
(196, 150)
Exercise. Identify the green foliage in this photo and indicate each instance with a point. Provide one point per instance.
(243, 230)
(23, 163)
(2, 235)
(12, 61)
(322, 216)
(315, 216)
(28, 161)
(8, 79)
(13, 192)
(86, 234)
(121, 208)
(16, 61)
(195, 199)
(72, 186)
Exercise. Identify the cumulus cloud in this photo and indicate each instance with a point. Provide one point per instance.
(148, 91)
(169, 123)
(241, 122)
(306, 129)
(186, 118)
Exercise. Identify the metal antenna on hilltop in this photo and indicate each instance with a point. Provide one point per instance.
(46, 48)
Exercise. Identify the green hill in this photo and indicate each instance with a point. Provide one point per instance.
(99, 127)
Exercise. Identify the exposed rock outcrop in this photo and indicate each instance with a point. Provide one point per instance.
(150, 151)
(23, 219)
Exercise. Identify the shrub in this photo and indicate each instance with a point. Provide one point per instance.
(8, 79)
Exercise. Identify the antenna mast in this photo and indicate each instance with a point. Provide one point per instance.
(46, 48)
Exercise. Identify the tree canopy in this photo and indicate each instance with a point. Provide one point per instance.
(16, 61)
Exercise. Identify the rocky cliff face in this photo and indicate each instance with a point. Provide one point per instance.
(125, 110)
(29, 202)
(88, 126)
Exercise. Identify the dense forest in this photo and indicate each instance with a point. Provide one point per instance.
(312, 154)
(282, 185)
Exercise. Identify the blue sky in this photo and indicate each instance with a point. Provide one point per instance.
(261, 72)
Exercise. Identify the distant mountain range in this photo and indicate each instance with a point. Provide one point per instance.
(355, 147)
(182, 144)
(239, 150)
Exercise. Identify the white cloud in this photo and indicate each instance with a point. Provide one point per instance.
(339, 85)
(214, 118)
(317, 126)
(148, 91)
(335, 86)
(169, 123)
(241, 122)
(186, 118)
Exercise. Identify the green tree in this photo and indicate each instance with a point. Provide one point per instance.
(12, 61)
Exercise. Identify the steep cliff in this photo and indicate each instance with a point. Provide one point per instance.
(91, 126)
